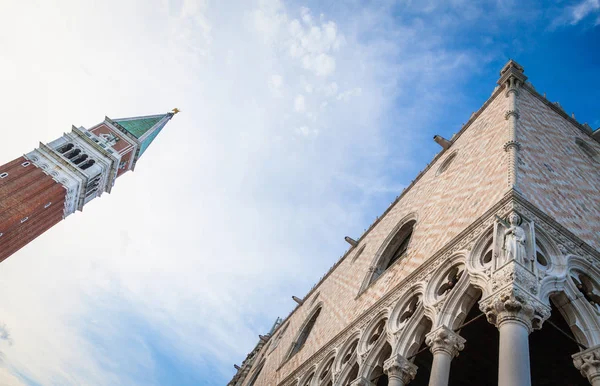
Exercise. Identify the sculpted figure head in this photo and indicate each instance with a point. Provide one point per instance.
(514, 219)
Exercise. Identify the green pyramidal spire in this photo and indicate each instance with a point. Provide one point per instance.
(144, 129)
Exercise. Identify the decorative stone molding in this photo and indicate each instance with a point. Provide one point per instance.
(443, 339)
(562, 236)
(514, 273)
(70, 181)
(588, 363)
(513, 303)
(401, 368)
(514, 113)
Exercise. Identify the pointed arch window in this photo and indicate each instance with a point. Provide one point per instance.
(305, 332)
(65, 148)
(80, 159)
(87, 164)
(256, 373)
(396, 248)
(73, 153)
(446, 164)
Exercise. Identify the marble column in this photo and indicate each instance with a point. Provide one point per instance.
(445, 344)
(399, 370)
(588, 363)
(513, 367)
(516, 315)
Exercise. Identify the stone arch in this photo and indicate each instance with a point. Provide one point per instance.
(375, 331)
(392, 249)
(372, 366)
(444, 279)
(347, 352)
(409, 337)
(480, 260)
(308, 378)
(87, 164)
(324, 370)
(581, 316)
(411, 340)
(556, 261)
(410, 303)
(349, 374)
(79, 159)
(65, 148)
(72, 153)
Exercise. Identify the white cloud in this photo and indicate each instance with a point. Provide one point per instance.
(307, 131)
(299, 105)
(575, 14)
(275, 82)
(583, 9)
(344, 96)
(237, 203)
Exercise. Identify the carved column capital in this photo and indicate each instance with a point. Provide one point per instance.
(512, 144)
(401, 368)
(361, 381)
(508, 113)
(588, 363)
(515, 298)
(517, 306)
(443, 339)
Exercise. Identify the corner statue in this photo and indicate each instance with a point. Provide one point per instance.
(514, 240)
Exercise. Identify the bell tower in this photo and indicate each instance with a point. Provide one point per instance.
(48, 184)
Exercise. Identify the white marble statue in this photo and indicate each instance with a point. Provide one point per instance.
(514, 240)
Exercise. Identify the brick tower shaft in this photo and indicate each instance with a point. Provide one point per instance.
(43, 187)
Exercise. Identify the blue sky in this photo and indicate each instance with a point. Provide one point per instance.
(300, 123)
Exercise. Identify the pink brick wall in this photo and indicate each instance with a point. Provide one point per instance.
(445, 206)
(554, 173)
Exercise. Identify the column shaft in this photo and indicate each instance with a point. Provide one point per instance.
(440, 369)
(514, 368)
(395, 381)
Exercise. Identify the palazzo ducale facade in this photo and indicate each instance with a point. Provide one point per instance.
(484, 271)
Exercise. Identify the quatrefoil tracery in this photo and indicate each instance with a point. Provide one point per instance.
(588, 288)
(408, 311)
(451, 278)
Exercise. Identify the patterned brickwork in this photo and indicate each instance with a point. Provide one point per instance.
(444, 203)
(555, 173)
(31, 202)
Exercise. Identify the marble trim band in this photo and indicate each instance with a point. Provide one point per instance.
(61, 174)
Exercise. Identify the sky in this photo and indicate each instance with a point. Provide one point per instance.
(300, 122)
